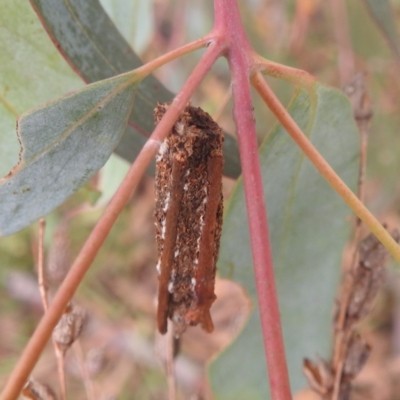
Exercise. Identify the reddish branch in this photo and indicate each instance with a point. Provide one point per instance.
(240, 57)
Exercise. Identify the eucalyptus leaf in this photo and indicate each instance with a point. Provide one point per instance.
(309, 225)
(63, 144)
(32, 71)
(87, 38)
(383, 15)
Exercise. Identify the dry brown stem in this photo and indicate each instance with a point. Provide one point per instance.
(69, 326)
(361, 103)
(43, 287)
(166, 351)
(34, 390)
(356, 296)
(89, 389)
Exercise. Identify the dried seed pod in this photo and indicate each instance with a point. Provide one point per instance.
(359, 97)
(69, 327)
(368, 276)
(188, 218)
(319, 375)
(34, 390)
(357, 355)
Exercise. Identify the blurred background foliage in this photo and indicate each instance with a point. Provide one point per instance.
(119, 292)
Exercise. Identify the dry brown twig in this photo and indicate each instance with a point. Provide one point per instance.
(166, 351)
(69, 327)
(34, 390)
(361, 103)
(43, 287)
(360, 284)
(360, 100)
(87, 382)
(357, 93)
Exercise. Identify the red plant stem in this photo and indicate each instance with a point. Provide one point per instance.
(240, 57)
(97, 237)
(173, 55)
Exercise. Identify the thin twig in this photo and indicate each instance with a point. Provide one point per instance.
(341, 345)
(40, 266)
(165, 349)
(169, 361)
(323, 167)
(60, 370)
(87, 382)
(43, 292)
(362, 111)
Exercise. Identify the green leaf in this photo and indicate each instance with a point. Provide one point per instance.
(63, 144)
(309, 226)
(96, 50)
(31, 72)
(383, 15)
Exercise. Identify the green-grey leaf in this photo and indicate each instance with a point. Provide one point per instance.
(309, 226)
(93, 46)
(63, 144)
(383, 15)
(31, 72)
